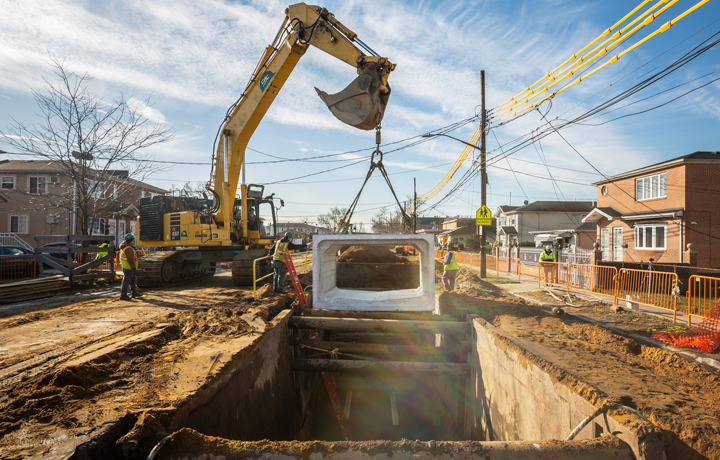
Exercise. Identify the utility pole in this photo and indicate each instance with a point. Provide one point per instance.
(414, 205)
(483, 179)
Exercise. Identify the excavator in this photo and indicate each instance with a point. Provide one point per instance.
(194, 234)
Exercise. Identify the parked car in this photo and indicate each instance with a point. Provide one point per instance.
(17, 262)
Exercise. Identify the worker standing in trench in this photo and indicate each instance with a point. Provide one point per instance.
(450, 268)
(282, 247)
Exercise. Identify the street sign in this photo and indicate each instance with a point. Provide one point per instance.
(483, 216)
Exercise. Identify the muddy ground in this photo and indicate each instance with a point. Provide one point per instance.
(70, 370)
(680, 397)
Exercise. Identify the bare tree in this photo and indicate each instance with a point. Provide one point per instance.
(332, 218)
(98, 144)
(388, 221)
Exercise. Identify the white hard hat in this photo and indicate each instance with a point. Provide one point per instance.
(548, 247)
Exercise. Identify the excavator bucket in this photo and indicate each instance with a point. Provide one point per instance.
(361, 104)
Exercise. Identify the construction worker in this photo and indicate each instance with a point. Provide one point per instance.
(128, 260)
(100, 255)
(547, 261)
(450, 268)
(282, 247)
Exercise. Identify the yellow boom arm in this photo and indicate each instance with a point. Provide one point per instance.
(361, 104)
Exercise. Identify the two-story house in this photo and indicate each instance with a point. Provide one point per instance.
(655, 211)
(39, 198)
(542, 222)
(460, 229)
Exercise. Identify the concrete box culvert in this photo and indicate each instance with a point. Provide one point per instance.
(327, 294)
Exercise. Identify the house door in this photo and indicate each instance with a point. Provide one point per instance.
(605, 243)
(121, 232)
(617, 244)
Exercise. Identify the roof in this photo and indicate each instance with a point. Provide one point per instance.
(507, 208)
(555, 206)
(563, 228)
(508, 230)
(610, 213)
(689, 158)
(55, 167)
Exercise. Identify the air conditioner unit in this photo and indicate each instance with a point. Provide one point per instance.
(54, 179)
(52, 219)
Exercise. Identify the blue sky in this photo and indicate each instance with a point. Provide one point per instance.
(193, 59)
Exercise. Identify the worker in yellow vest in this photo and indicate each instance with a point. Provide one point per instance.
(282, 246)
(450, 268)
(128, 260)
(547, 261)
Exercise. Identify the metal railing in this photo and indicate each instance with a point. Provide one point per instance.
(255, 278)
(552, 274)
(702, 295)
(645, 287)
(11, 239)
(18, 267)
(594, 279)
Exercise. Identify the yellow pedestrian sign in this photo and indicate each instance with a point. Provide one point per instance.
(483, 216)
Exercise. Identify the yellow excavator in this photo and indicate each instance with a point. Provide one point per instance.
(193, 234)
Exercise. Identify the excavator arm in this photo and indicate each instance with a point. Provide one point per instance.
(362, 104)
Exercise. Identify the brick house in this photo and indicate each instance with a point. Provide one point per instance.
(655, 211)
(36, 198)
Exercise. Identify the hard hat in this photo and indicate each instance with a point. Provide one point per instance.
(129, 237)
(548, 247)
(289, 234)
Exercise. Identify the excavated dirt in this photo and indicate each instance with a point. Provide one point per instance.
(680, 397)
(68, 373)
(371, 254)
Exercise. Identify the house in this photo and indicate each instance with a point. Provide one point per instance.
(581, 236)
(656, 211)
(37, 197)
(521, 224)
(460, 230)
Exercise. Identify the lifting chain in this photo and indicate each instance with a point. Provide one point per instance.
(376, 162)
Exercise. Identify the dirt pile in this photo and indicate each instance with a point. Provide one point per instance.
(370, 254)
(680, 397)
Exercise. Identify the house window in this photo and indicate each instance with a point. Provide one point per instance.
(142, 193)
(650, 236)
(8, 183)
(114, 191)
(605, 243)
(95, 189)
(98, 226)
(37, 185)
(20, 224)
(650, 187)
(112, 226)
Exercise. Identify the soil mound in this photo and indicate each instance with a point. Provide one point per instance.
(370, 254)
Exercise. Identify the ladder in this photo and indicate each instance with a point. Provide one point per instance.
(328, 377)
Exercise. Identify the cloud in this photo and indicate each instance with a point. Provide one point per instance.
(144, 110)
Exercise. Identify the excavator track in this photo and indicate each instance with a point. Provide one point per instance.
(166, 269)
(242, 267)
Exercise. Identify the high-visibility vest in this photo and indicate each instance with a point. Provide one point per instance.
(123, 258)
(102, 254)
(453, 265)
(545, 257)
(280, 250)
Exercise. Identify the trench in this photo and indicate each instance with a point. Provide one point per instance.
(416, 385)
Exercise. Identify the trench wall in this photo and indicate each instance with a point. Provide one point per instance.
(255, 398)
(513, 395)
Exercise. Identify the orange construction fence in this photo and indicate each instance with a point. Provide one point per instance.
(552, 274)
(702, 295)
(651, 288)
(595, 279)
(18, 266)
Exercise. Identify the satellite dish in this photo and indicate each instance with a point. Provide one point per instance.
(525, 202)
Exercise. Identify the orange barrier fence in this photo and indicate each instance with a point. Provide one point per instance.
(702, 295)
(651, 288)
(17, 267)
(552, 274)
(595, 279)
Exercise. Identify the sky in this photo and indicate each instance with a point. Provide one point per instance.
(192, 60)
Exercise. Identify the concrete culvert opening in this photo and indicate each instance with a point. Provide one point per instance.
(378, 268)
